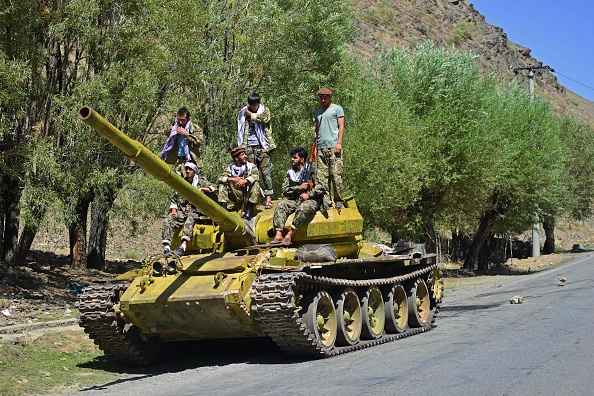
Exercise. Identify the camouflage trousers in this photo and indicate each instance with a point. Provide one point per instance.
(304, 211)
(227, 192)
(263, 162)
(329, 167)
(172, 223)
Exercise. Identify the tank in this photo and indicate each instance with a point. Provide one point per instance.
(329, 293)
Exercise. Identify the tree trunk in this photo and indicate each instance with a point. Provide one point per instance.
(485, 227)
(98, 232)
(78, 235)
(24, 246)
(430, 239)
(549, 229)
(97, 239)
(11, 196)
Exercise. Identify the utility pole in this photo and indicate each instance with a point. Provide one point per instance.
(532, 70)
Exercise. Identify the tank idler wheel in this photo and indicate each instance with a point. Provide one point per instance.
(374, 315)
(348, 311)
(435, 283)
(418, 303)
(320, 318)
(396, 309)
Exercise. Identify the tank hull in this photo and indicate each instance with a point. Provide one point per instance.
(240, 294)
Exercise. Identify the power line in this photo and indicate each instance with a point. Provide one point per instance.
(436, 29)
(575, 81)
(384, 30)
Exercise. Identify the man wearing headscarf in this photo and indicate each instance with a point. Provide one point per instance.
(182, 213)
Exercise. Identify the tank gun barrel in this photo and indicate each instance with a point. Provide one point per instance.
(233, 226)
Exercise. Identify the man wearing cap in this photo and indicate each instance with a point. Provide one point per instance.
(254, 133)
(183, 143)
(329, 134)
(183, 213)
(302, 199)
(239, 183)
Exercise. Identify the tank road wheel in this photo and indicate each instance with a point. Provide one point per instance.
(418, 303)
(374, 315)
(396, 309)
(320, 318)
(348, 312)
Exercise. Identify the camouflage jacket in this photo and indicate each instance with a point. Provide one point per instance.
(252, 174)
(180, 204)
(291, 189)
(264, 119)
(195, 139)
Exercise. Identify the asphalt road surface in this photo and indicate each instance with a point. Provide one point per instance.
(482, 345)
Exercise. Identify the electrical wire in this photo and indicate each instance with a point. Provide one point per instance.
(575, 81)
(585, 101)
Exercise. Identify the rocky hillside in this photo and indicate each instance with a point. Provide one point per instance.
(404, 23)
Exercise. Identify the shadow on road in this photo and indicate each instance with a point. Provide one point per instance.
(181, 356)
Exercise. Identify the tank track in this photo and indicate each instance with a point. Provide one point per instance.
(120, 342)
(275, 307)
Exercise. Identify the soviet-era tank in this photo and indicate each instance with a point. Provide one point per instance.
(328, 293)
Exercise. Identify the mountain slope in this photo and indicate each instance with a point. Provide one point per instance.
(404, 23)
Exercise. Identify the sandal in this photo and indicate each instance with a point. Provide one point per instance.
(268, 205)
(275, 241)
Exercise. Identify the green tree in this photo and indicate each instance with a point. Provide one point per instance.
(135, 63)
(452, 149)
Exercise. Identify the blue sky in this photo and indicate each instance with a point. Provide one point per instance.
(560, 34)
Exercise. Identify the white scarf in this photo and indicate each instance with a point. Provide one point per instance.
(241, 125)
(238, 171)
(295, 176)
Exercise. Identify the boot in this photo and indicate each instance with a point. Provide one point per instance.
(249, 211)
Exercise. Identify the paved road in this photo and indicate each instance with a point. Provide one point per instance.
(482, 345)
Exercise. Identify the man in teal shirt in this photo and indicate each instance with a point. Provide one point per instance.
(329, 134)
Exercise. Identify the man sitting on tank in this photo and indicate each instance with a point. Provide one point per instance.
(304, 197)
(239, 183)
(183, 213)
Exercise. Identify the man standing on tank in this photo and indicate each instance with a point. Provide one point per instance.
(239, 183)
(329, 134)
(254, 133)
(183, 213)
(183, 143)
(304, 197)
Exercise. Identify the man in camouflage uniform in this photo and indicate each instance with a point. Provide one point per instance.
(239, 183)
(183, 143)
(303, 198)
(183, 213)
(329, 134)
(254, 133)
